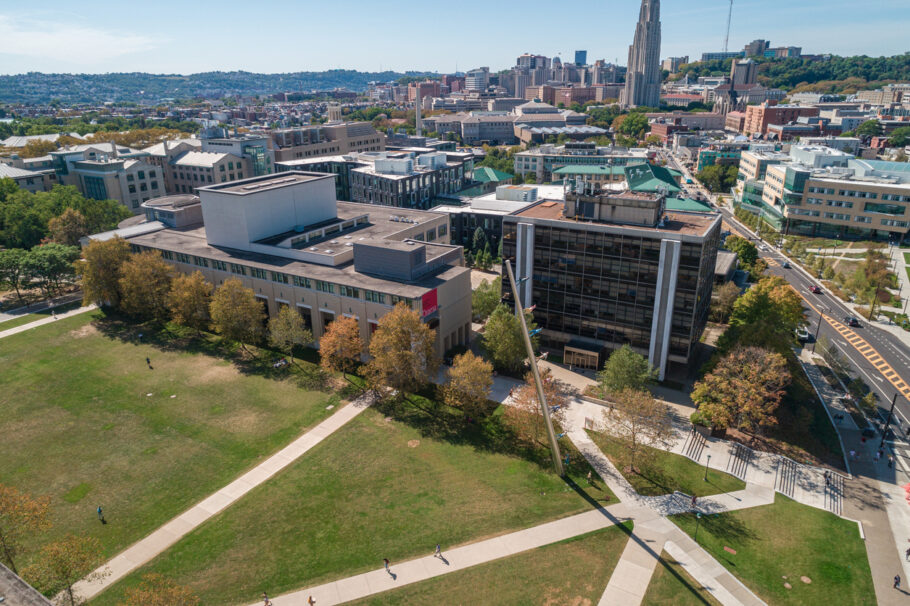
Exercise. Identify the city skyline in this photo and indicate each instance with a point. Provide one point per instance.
(196, 38)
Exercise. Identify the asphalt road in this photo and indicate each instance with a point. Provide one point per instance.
(879, 357)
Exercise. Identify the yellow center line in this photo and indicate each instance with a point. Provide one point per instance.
(866, 350)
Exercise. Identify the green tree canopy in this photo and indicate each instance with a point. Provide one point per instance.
(625, 369)
(502, 338)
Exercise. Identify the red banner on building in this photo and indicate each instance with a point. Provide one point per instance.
(429, 303)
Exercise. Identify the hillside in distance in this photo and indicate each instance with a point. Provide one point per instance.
(37, 87)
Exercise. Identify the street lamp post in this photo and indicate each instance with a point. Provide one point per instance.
(706, 467)
(697, 522)
(888, 422)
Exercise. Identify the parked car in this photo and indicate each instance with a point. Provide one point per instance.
(851, 321)
(786, 265)
(815, 290)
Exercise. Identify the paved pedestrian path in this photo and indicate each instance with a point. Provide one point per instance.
(159, 540)
(47, 320)
(459, 558)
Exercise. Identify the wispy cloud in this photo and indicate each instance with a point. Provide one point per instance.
(68, 43)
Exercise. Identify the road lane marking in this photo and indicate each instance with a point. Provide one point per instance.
(865, 350)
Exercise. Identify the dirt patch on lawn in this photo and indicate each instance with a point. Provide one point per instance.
(85, 331)
(207, 372)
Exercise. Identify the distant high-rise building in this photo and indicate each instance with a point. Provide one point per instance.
(671, 64)
(477, 79)
(581, 57)
(743, 71)
(643, 75)
(756, 48)
(334, 112)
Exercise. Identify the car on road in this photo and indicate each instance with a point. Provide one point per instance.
(802, 334)
(762, 248)
(815, 290)
(851, 321)
(786, 265)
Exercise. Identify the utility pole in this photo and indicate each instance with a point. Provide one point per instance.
(541, 398)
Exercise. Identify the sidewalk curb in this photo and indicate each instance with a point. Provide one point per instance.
(843, 449)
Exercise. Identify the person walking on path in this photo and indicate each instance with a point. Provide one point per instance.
(265, 599)
(310, 601)
(908, 553)
(386, 563)
(101, 515)
(694, 499)
(897, 581)
(149, 362)
(890, 461)
(438, 553)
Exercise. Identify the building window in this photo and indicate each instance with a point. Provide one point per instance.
(442, 230)
(219, 265)
(154, 185)
(221, 168)
(129, 177)
(132, 188)
(166, 254)
(347, 291)
(258, 273)
(201, 261)
(142, 174)
(279, 277)
(374, 297)
(302, 282)
(238, 269)
(183, 258)
(325, 286)
(151, 174)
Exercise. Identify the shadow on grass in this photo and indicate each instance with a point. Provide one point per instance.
(685, 582)
(725, 527)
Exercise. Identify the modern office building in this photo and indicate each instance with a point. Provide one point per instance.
(406, 178)
(602, 270)
(643, 75)
(671, 64)
(543, 160)
(288, 239)
(326, 140)
(821, 191)
(581, 57)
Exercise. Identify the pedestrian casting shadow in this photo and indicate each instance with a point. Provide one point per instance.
(444, 560)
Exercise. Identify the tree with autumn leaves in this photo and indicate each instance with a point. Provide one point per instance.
(765, 316)
(523, 413)
(744, 390)
(20, 514)
(468, 384)
(340, 347)
(403, 352)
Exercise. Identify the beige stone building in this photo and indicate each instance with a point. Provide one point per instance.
(326, 140)
(287, 238)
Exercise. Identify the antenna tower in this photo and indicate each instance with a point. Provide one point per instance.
(729, 17)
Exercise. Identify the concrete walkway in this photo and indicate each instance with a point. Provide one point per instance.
(43, 321)
(159, 540)
(459, 558)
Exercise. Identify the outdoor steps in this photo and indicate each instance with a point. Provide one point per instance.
(786, 478)
(739, 461)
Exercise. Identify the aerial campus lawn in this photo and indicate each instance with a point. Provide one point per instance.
(392, 483)
(672, 585)
(667, 472)
(85, 421)
(574, 571)
(784, 542)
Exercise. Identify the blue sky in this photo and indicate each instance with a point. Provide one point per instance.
(283, 36)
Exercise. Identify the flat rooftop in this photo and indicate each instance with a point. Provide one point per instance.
(266, 182)
(683, 223)
(192, 241)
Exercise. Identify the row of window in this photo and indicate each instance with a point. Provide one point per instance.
(142, 186)
(327, 287)
(141, 175)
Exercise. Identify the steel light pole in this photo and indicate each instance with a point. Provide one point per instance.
(541, 398)
(818, 326)
(706, 467)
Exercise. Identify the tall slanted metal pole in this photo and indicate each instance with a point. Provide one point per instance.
(541, 398)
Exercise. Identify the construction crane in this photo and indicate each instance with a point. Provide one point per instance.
(729, 17)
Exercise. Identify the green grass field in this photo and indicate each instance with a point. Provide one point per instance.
(574, 571)
(672, 585)
(907, 258)
(667, 472)
(85, 421)
(782, 542)
(392, 483)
